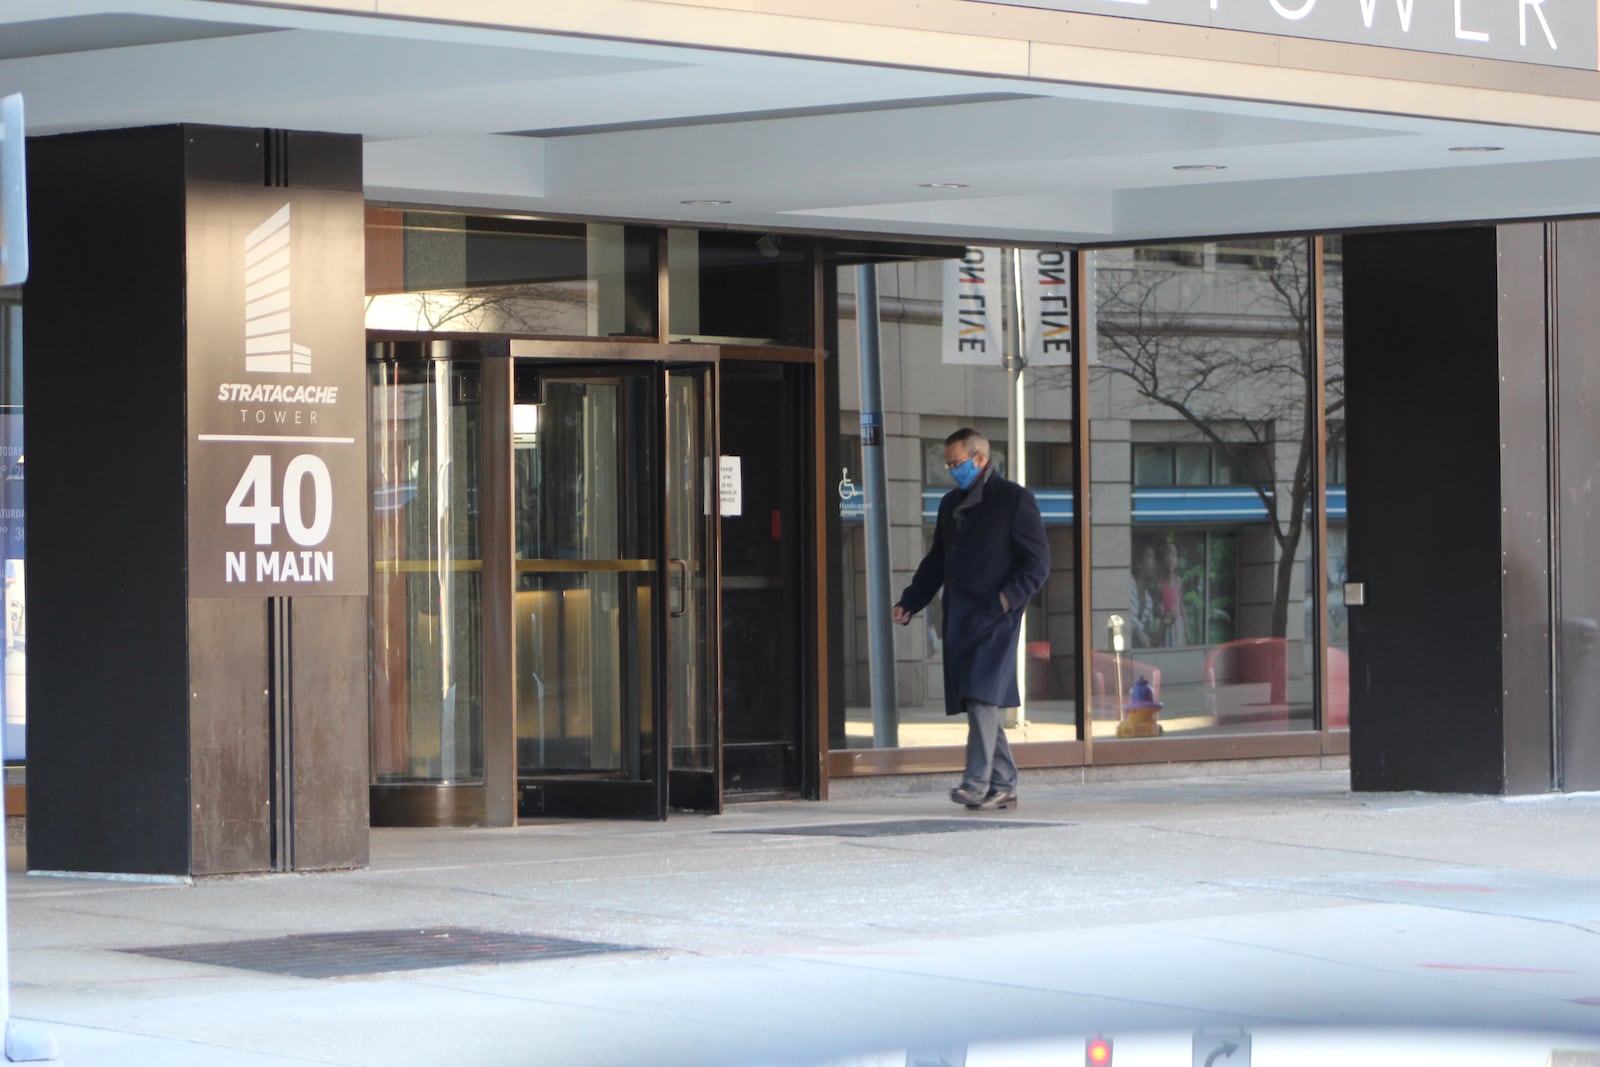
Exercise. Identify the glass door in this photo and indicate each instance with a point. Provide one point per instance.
(587, 602)
(693, 686)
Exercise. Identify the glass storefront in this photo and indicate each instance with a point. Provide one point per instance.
(942, 370)
(1198, 372)
(1204, 446)
(1203, 473)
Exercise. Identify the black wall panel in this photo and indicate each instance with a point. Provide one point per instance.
(108, 747)
(1424, 497)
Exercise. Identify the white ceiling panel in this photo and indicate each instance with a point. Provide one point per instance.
(788, 143)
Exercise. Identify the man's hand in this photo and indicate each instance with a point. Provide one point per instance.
(1005, 605)
(900, 615)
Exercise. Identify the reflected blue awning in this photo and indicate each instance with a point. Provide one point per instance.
(1213, 504)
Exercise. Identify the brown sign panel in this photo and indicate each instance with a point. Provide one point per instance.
(277, 392)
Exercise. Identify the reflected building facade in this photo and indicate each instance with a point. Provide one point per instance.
(1213, 407)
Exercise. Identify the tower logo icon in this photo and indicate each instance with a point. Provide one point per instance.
(268, 347)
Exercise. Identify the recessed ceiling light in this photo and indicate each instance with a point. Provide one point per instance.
(1200, 166)
(705, 203)
(942, 185)
(1477, 148)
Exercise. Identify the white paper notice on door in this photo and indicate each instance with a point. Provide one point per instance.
(732, 482)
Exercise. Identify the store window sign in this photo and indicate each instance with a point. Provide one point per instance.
(852, 501)
(1558, 33)
(731, 483)
(974, 298)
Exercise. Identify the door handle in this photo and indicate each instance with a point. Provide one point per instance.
(683, 588)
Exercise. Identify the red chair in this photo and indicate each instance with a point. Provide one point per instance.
(1248, 661)
(1338, 688)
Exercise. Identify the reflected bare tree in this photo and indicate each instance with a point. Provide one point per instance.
(1232, 353)
(514, 309)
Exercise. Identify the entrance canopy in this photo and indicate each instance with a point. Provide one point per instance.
(946, 118)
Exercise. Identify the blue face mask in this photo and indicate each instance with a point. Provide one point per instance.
(966, 473)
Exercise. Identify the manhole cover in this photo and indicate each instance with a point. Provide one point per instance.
(375, 951)
(898, 827)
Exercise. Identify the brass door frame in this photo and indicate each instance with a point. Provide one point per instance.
(500, 725)
(494, 801)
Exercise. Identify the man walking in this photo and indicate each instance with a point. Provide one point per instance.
(991, 556)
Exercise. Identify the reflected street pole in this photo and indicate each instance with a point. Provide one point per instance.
(875, 516)
(1016, 428)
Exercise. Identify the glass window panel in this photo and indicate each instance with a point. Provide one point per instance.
(935, 387)
(1212, 570)
(1241, 253)
(1242, 463)
(739, 287)
(1193, 464)
(935, 475)
(850, 471)
(691, 672)
(585, 574)
(1337, 567)
(1171, 255)
(427, 587)
(431, 271)
(1229, 466)
(1062, 465)
(1152, 464)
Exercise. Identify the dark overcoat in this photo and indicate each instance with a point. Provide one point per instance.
(997, 545)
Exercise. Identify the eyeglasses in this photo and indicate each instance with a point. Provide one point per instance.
(952, 464)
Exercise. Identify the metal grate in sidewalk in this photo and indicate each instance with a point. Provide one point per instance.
(898, 827)
(360, 952)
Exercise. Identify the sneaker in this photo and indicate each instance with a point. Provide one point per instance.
(965, 794)
(997, 799)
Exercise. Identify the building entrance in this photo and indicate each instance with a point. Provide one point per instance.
(552, 526)
(614, 589)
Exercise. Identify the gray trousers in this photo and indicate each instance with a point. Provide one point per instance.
(989, 762)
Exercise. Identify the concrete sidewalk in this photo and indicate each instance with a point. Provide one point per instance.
(1145, 910)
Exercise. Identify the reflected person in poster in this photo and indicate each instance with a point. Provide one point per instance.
(1174, 631)
(1142, 593)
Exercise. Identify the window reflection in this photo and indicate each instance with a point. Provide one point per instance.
(439, 272)
(13, 530)
(948, 377)
(737, 287)
(1337, 569)
(1202, 377)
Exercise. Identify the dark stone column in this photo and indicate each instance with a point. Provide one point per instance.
(1575, 248)
(1448, 430)
(186, 716)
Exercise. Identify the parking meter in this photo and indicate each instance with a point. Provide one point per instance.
(1114, 628)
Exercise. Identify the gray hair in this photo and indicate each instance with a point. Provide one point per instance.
(977, 444)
